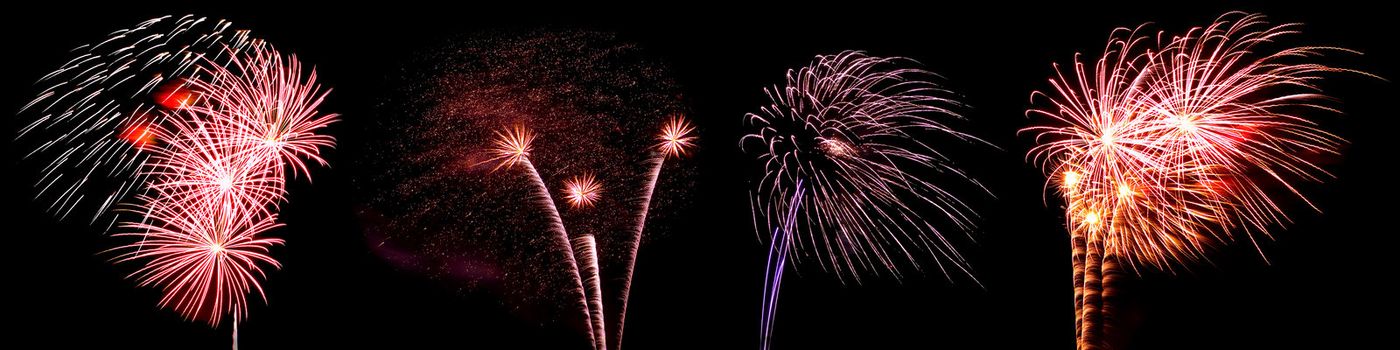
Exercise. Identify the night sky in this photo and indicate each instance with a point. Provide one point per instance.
(1326, 281)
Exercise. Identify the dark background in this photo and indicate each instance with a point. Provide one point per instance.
(1328, 281)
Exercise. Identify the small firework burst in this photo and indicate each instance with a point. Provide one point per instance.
(582, 191)
(675, 137)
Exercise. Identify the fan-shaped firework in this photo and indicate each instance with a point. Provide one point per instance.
(1162, 151)
(847, 169)
(92, 117)
(582, 191)
(474, 134)
(205, 259)
(207, 157)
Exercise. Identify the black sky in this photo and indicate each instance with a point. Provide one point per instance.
(1327, 281)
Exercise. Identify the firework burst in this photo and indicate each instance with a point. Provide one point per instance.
(205, 259)
(267, 107)
(675, 137)
(1164, 149)
(96, 113)
(189, 127)
(582, 191)
(848, 128)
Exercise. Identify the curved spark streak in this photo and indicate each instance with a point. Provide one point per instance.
(93, 105)
(779, 247)
(587, 247)
(512, 148)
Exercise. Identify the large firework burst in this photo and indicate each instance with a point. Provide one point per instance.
(1164, 149)
(847, 166)
(201, 123)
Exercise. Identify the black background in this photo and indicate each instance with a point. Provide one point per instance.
(1328, 281)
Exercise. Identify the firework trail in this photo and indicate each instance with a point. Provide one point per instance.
(512, 148)
(779, 247)
(92, 118)
(582, 192)
(587, 247)
(851, 129)
(1163, 151)
(675, 140)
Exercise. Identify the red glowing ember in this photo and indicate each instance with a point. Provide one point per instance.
(174, 95)
(140, 135)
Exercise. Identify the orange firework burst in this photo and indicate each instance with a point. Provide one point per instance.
(582, 191)
(1162, 152)
(675, 137)
(512, 146)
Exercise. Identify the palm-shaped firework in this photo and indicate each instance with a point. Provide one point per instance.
(847, 170)
(1163, 151)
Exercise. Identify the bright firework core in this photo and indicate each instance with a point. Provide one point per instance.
(675, 137)
(582, 191)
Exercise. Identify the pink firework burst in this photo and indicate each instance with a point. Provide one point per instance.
(582, 191)
(512, 146)
(199, 167)
(676, 137)
(1162, 152)
(267, 107)
(216, 176)
(205, 259)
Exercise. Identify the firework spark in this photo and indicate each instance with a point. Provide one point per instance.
(582, 191)
(199, 167)
(512, 147)
(267, 106)
(206, 259)
(199, 122)
(848, 127)
(1161, 152)
(676, 138)
(94, 117)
